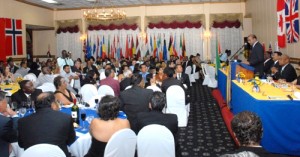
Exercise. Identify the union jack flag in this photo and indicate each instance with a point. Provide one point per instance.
(292, 20)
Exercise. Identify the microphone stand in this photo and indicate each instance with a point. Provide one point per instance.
(237, 52)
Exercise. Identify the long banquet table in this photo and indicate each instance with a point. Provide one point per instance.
(280, 118)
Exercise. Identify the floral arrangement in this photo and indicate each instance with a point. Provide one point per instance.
(256, 82)
(19, 79)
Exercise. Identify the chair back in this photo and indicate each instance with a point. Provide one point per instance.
(87, 92)
(188, 71)
(209, 76)
(105, 90)
(47, 87)
(154, 88)
(43, 150)
(155, 140)
(176, 104)
(122, 143)
(32, 78)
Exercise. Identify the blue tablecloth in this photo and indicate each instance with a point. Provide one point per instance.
(222, 83)
(281, 120)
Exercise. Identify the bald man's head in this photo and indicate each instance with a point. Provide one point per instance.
(45, 100)
(284, 59)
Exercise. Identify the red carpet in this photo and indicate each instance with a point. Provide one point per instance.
(226, 113)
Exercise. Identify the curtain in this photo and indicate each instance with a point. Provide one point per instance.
(193, 39)
(69, 42)
(228, 38)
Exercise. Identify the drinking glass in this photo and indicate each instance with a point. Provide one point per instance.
(83, 117)
(22, 111)
(14, 106)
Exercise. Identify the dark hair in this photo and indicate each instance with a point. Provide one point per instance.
(109, 108)
(65, 66)
(158, 101)
(136, 79)
(34, 66)
(90, 74)
(169, 72)
(57, 81)
(44, 100)
(23, 83)
(107, 72)
(278, 53)
(92, 58)
(2, 95)
(247, 127)
(22, 63)
(78, 60)
(148, 78)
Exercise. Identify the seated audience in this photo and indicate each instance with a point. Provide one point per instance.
(135, 100)
(34, 69)
(155, 116)
(276, 66)
(7, 76)
(101, 129)
(11, 65)
(248, 129)
(160, 76)
(62, 94)
(90, 66)
(223, 58)
(151, 83)
(25, 93)
(78, 71)
(23, 70)
(110, 81)
(127, 79)
(8, 126)
(69, 76)
(268, 63)
(90, 78)
(45, 76)
(287, 71)
(183, 77)
(46, 126)
(144, 72)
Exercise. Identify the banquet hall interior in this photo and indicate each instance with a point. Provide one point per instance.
(221, 77)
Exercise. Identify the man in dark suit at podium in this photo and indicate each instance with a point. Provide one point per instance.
(256, 58)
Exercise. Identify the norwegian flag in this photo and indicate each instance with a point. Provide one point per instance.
(292, 20)
(11, 29)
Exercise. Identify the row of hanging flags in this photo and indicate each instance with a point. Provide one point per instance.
(156, 46)
(10, 37)
(288, 22)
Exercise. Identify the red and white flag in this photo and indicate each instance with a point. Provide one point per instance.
(281, 23)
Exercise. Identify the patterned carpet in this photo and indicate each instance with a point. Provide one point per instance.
(206, 134)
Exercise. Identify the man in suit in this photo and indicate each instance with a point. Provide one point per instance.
(26, 93)
(256, 58)
(46, 126)
(184, 78)
(110, 81)
(155, 116)
(276, 66)
(135, 99)
(8, 126)
(268, 63)
(127, 80)
(287, 71)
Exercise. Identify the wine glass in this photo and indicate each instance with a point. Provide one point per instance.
(83, 117)
(22, 111)
(96, 103)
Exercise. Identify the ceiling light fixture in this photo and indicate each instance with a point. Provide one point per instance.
(49, 1)
(103, 14)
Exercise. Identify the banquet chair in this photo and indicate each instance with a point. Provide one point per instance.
(188, 71)
(87, 92)
(32, 78)
(122, 143)
(155, 140)
(81, 146)
(128, 87)
(206, 77)
(105, 90)
(154, 88)
(210, 76)
(43, 150)
(176, 104)
(47, 87)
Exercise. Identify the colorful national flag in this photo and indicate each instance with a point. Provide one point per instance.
(147, 47)
(154, 48)
(126, 48)
(218, 65)
(103, 48)
(170, 45)
(165, 51)
(133, 48)
(88, 47)
(183, 46)
(174, 47)
(10, 37)
(281, 23)
(292, 20)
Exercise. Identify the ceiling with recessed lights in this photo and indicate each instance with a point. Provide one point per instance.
(77, 4)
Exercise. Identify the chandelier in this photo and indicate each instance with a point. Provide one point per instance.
(103, 14)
